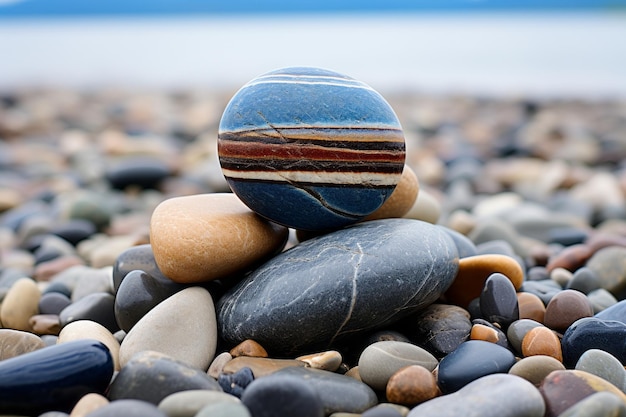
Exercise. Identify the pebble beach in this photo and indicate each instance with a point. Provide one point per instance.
(133, 282)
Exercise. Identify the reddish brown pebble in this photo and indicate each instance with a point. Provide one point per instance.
(474, 271)
(530, 306)
(565, 308)
(45, 324)
(563, 389)
(46, 270)
(602, 240)
(412, 385)
(542, 341)
(482, 332)
(570, 258)
(249, 347)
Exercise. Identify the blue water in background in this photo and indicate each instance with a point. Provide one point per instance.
(550, 47)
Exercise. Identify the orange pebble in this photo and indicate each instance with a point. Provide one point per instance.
(530, 306)
(249, 348)
(542, 341)
(412, 385)
(482, 332)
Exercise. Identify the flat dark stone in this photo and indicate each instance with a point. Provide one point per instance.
(54, 378)
(128, 408)
(142, 172)
(593, 333)
(53, 303)
(340, 284)
(138, 257)
(498, 301)
(98, 307)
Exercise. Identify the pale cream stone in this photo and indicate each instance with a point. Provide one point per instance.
(20, 304)
(87, 329)
(426, 208)
(210, 236)
(88, 403)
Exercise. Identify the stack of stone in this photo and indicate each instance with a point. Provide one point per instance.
(134, 282)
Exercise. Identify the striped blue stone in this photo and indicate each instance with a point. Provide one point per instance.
(310, 148)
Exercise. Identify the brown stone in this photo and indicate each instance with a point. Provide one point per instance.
(249, 347)
(570, 258)
(530, 306)
(20, 304)
(401, 200)
(45, 324)
(326, 361)
(260, 366)
(16, 342)
(412, 385)
(482, 332)
(565, 308)
(474, 271)
(210, 236)
(542, 341)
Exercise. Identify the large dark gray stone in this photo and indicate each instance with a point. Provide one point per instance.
(340, 284)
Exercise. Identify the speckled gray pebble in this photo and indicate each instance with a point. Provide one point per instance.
(604, 365)
(497, 395)
(188, 403)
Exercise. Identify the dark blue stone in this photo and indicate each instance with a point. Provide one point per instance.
(471, 360)
(138, 293)
(57, 287)
(128, 408)
(151, 376)
(282, 395)
(498, 300)
(53, 303)
(142, 172)
(236, 383)
(54, 378)
(593, 333)
(567, 236)
(138, 257)
(341, 284)
(74, 231)
(615, 312)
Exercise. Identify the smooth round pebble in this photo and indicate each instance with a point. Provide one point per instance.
(542, 341)
(224, 409)
(483, 331)
(98, 307)
(426, 208)
(604, 365)
(412, 385)
(326, 361)
(86, 329)
(565, 308)
(53, 303)
(401, 199)
(380, 360)
(497, 395)
(20, 303)
(530, 307)
(282, 396)
(217, 365)
(382, 410)
(609, 265)
(517, 330)
(600, 404)
(189, 403)
(593, 333)
(167, 328)
(88, 403)
(128, 408)
(498, 300)
(584, 280)
(535, 368)
(235, 383)
(249, 347)
(214, 236)
(601, 300)
(17, 342)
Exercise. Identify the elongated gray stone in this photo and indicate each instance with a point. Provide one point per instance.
(340, 284)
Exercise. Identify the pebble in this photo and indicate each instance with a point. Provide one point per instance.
(471, 360)
(426, 208)
(85, 329)
(217, 365)
(584, 280)
(236, 383)
(17, 342)
(530, 307)
(593, 333)
(53, 303)
(139, 257)
(335, 391)
(98, 307)
(20, 304)
(239, 239)
(561, 276)
(601, 300)
(130, 408)
(535, 368)
(604, 365)
(48, 324)
(383, 410)
(542, 341)
(412, 385)
(563, 389)
(439, 328)
(488, 333)
(260, 366)
(309, 125)
(188, 403)
(326, 361)
(88, 403)
(141, 172)
(570, 258)
(139, 293)
(380, 360)
(616, 312)
(544, 289)
(600, 404)
(187, 315)
(224, 410)
(401, 200)
(282, 395)
(565, 308)
(484, 397)
(249, 348)
(339, 293)
(609, 266)
(498, 301)
(80, 367)
(151, 376)
(474, 271)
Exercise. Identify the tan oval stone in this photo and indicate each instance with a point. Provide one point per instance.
(209, 236)
(401, 199)
(249, 347)
(260, 366)
(412, 385)
(183, 326)
(45, 324)
(16, 342)
(20, 304)
(426, 208)
(88, 403)
(542, 341)
(327, 361)
(530, 306)
(189, 402)
(474, 271)
(482, 332)
(87, 329)
(535, 368)
(354, 373)
(217, 366)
